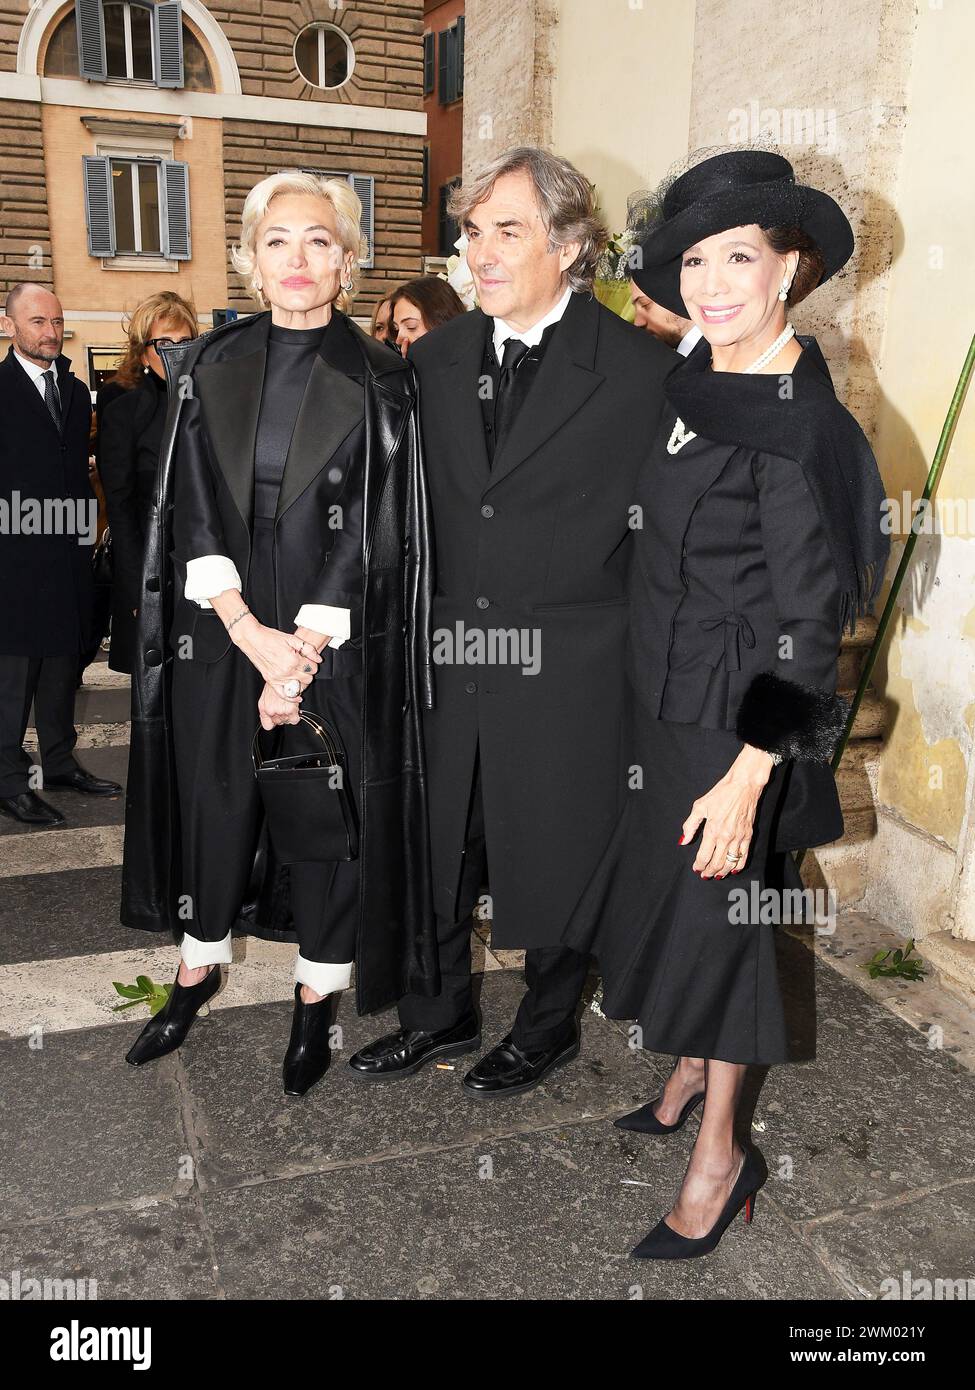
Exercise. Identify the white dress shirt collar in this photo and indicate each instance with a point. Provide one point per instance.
(31, 368)
(36, 373)
(690, 340)
(531, 337)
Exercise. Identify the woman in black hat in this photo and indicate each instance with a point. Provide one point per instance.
(758, 539)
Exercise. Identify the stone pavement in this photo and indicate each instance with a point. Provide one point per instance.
(197, 1178)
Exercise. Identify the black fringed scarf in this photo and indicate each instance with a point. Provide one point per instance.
(815, 430)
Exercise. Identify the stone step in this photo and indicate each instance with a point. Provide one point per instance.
(863, 634)
(853, 651)
(954, 962)
(853, 779)
(871, 720)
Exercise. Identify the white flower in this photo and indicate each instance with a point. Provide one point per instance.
(458, 273)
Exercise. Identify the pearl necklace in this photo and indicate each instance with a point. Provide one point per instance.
(772, 351)
(679, 436)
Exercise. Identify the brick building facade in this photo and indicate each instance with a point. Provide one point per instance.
(189, 106)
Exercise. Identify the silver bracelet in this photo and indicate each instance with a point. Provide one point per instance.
(776, 758)
(242, 614)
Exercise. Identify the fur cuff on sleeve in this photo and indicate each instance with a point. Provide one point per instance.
(798, 721)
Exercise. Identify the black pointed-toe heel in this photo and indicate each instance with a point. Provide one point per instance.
(664, 1243)
(168, 1029)
(644, 1121)
(309, 1051)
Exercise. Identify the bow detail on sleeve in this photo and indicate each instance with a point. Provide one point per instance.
(730, 629)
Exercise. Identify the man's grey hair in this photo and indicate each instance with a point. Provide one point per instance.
(566, 201)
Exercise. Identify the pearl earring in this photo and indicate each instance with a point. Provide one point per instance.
(784, 291)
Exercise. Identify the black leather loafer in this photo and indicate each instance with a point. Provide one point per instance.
(85, 782)
(508, 1071)
(408, 1049)
(28, 808)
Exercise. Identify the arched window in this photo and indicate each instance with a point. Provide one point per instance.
(61, 56)
(129, 41)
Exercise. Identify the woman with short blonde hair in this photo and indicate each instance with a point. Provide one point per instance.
(294, 428)
(347, 210)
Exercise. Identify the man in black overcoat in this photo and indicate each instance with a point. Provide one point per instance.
(48, 519)
(536, 411)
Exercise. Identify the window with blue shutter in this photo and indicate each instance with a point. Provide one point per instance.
(429, 63)
(130, 40)
(448, 71)
(451, 62)
(99, 209)
(90, 23)
(167, 43)
(459, 85)
(176, 210)
(364, 185)
(137, 207)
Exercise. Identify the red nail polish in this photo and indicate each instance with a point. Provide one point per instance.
(681, 840)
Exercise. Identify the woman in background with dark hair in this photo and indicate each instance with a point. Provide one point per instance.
(130, 434)
(760, 540)
(421, 305)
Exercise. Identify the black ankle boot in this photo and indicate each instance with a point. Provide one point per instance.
(308, 1055)
(167, 1030)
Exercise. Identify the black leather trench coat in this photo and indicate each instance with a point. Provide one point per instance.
(391, 598)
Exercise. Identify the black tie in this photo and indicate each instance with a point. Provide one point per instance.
(506, 405)
(52, 397)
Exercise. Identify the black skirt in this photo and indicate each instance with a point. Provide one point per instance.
(673, 949)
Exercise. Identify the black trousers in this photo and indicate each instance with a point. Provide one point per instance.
(555, 976)
(48, 683)
(214, 721)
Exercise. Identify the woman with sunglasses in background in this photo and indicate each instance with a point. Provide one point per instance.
(130, 434)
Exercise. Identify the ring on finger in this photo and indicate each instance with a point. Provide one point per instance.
(291, 689)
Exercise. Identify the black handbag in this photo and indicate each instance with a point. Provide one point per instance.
(310, 810)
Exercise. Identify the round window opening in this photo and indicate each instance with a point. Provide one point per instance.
(324, 56)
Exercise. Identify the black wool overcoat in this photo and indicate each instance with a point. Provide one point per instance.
(532, 554)
(45, 565)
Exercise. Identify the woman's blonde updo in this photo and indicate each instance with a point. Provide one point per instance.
(348, 217)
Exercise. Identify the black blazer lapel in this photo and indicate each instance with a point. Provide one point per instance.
(565, 381)
(230, 396)
(66, 385)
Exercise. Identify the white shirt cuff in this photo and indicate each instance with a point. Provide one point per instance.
(321, 976)
(196, 952)
(336, 622)
(208, 576)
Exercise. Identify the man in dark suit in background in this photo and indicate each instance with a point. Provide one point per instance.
(48, 519)
(537, 410)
